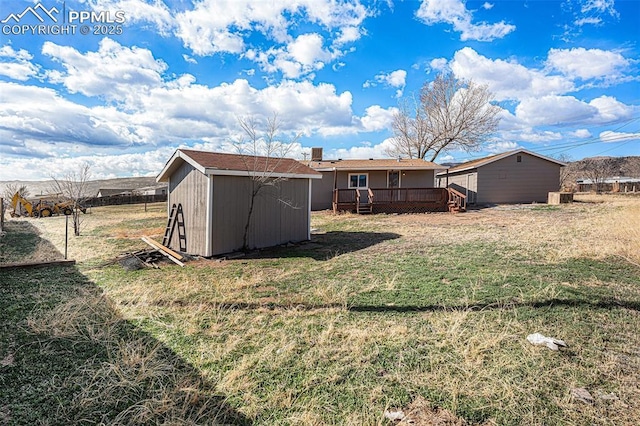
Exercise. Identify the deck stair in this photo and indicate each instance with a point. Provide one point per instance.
(364, 208)
(457, 201)
(176, 220)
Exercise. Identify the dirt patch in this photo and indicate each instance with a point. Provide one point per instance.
(421, 413)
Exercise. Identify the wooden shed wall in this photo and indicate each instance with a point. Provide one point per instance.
(189, 187)
(281, 213)
(465, 182)
(510, 181)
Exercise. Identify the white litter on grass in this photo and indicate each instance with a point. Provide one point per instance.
(550, 342)
(581, 394)
(394, 415)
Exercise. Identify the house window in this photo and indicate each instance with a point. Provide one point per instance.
(358, 180)
(519, 158)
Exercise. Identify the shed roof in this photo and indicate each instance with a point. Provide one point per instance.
(492, 158)
(216, 163)
(375, 164)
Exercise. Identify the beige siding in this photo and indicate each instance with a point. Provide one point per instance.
(280, 215)
(189, 187)
(379, 178)
(508, 181)
(466, 183)
(416, 179)
(322, 192)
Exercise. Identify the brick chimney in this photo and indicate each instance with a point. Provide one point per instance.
(316, 154)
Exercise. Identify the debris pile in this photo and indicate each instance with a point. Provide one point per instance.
(150, 258)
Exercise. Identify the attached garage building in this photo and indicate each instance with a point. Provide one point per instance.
(512, 177)
(214, 191)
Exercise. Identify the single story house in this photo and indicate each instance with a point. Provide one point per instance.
(610, 184)
(152, 190)
(215, 191)
(109, 192)
(518, 176)
(394, 176)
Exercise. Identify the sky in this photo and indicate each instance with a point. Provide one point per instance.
(121, 84)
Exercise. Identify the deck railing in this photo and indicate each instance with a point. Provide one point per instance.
(457, 200)
(393, 199)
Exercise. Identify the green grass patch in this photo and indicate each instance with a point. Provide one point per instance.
(373, 314)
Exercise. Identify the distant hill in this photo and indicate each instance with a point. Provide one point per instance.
(46, 187)
(618, 166)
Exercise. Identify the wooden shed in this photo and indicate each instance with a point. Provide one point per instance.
(517, 176)
(214, 192)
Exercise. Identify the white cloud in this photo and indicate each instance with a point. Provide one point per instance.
(39, 121)
(599, 6)
(581, 133)
(439, 64)
(395, 79)
(587, 63)
(154, 12)
(610, 109)
(487, 6)
(114, 71)
(189, 59)
(507, 80)
(539, 136)
(587, 21)
(566, 110)
(454, 12)
(364, 150)
(16, 64)
(609, 136)
(377, 118)
(301, 57)
(498, 147)
(554, 110)
(213, 26)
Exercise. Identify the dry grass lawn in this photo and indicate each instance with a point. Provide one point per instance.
(426, 313)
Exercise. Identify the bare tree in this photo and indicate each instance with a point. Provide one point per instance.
(263, 153)
(11, 188)
(597, 170)
(450, 114)
(73, 186)
(565, 173)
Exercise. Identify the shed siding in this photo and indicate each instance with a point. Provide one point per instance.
(189, 187)
(280, 213)
(466, 183)
(508, 181)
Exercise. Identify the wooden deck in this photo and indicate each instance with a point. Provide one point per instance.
(398, 200)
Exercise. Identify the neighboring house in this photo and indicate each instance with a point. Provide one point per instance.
(214, 191)
(152, 190)
(611, 184)
(512, 177)
(108, 192)
(346, 176)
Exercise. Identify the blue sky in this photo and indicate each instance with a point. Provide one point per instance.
(162, 74)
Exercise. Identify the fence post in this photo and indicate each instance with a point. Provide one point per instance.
(1, 214)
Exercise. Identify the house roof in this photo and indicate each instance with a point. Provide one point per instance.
(492, 158)
(113, 191)
(374, 164)
(613, 179)
(215, 163)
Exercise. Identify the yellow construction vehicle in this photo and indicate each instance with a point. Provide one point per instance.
(43, 207)
(23, 207)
